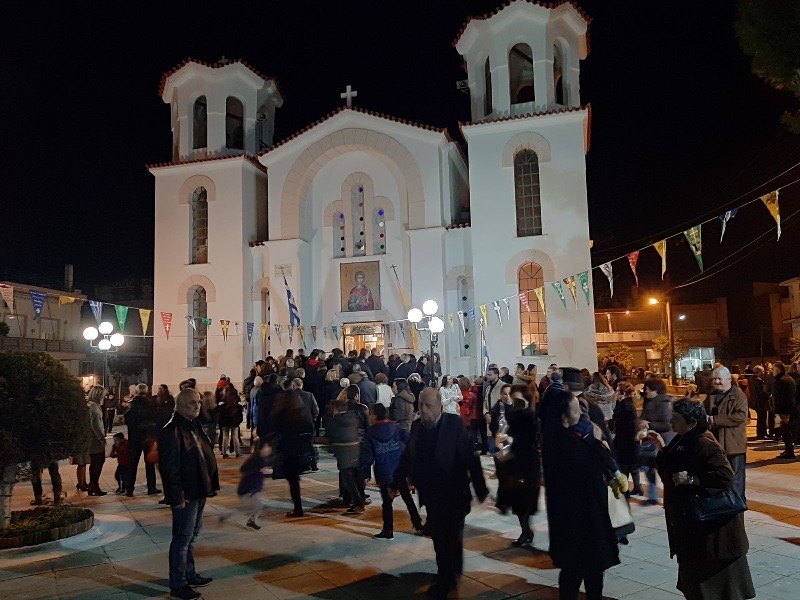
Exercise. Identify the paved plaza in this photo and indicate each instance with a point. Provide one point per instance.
(331, 556)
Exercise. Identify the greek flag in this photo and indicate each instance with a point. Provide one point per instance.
(294, 315)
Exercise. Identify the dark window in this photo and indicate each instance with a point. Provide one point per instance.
(520, 71)
(487, 97)
(199, 332)
(526, 192)
(234, 123)
(199, 226)
(200, 123)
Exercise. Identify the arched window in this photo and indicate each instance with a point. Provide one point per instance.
(357, 210)
(379, 231)
(463, 306)
(199, 226)
(200, 123)
(338, 234)
(487, 96)
(532, 319)
(198, 333)
(526, 193)
(520, 70)
(234, 123)
(558, 76)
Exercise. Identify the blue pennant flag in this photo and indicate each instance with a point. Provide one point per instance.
(725, 218)
(38, 298)
(294, 315)
(97, 309)
(250, 327)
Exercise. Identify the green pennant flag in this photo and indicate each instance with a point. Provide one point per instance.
(122, 316)
(693, 236)
(583, 279)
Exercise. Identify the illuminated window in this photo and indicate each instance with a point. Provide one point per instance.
(520, 70)
(526, 193)
(199, 226)
(533, 322)
(198, 334)
(357, 211)
(234, 123)
(200, 123)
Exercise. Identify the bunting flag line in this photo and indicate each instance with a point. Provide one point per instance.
(725, 218)
(335, 332)
(122, 316)
(608, 271)
(661, 248)
(264, 331)
(38, 298)
(496, 307)
(539, 291)
(97, 310)
(560, 291)
(144, 317)
(314, 333)
(471, 313)
(452, 321)
(460, 314)
(633, 258)
(693, 236)
(191, 322)
(523, 297)
(166, 320)
(583, 280)
(7, 292)
(250, 327)
(66, 300)
(771, 202)
(506, 301)
(570, 283)
(482, 308)
(225, 325)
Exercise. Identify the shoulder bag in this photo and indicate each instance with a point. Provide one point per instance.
(721, 506)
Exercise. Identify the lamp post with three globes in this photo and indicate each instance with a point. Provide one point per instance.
(433, 324)
(111, 342)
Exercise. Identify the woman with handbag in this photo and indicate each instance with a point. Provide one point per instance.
(711, 549)
(626, 446)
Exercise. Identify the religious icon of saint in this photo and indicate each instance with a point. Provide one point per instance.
(360, 296)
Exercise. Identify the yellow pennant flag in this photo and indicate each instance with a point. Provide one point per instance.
(661, 248)
(483, 313)
(539, 291)
(771, 202)
(264, 330)
(66, 300)
(225, 325)
(144, 317)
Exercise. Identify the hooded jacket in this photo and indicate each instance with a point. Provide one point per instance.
(386, 441)
(402, 408)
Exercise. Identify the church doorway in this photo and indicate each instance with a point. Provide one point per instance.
(363, 335)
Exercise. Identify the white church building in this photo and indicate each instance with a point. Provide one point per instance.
(363, 215)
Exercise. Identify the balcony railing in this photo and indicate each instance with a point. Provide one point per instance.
(35, 345)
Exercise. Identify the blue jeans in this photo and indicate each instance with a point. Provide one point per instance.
(186, 524)
(652, 488)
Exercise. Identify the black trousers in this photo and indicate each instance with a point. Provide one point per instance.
(386, 507)
(110, 414)
(477, 429)
(447, 532)
(96, 462)
(569, 583)
(294, 491)
(135, 451)
(761, 423)
(786, 432)
(352, 492)
(55, 479)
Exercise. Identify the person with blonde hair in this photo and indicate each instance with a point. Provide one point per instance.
(97, 439)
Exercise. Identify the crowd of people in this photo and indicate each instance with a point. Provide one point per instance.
(585, 437)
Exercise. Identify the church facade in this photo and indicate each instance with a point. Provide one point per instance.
(327, 238)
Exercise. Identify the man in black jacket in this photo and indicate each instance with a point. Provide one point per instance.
(142, 421)
(376, 364)
(440, 463)
(189, 475)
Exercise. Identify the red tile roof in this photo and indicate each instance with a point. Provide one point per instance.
(216, 65)
(499, 9)
(364, 111)
(248, 157)
(554, 111)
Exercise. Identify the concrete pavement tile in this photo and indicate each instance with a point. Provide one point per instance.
(30, 588)
(512, 582)
(774, 563)
(648, 573)
(653, 594)
(785, 588)
(616, 586)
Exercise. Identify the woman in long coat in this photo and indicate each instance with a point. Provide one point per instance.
(518, 477)
(712, 558)
(97, 439)
(626, 445)
(582, 541)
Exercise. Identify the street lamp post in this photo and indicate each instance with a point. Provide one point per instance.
(433, 324)
(670, 336)
(111, 342)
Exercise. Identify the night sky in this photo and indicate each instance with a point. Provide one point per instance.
(681, 130)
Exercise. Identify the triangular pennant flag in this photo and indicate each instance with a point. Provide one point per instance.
(402, 327)
(693, 236)
(725, 218)
(506, 301)
(7, 292)
(335, 332)
(264, 331)
(97, 310)
(122, 316)
(539, 291)
(325, 333)
(523, 297)
(144, 317)
(236, 326)
(191, 322)
(583, 280)
(250, 327)
(66, 300)
(485, 362)
(460, 314)
(496, 307)
(482, 308)
(452, 321)
(570, 282)
(38, 298)
(771, 202)
(302, 331)
(291, 333)
(314, 333)
(608, 271)
(206, 321)
(633, 258)
(277, 331)
(225, 325)
(560, 291)
(471, 313)
(661, 248)
(166, 320)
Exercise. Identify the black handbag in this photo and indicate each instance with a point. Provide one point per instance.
(717, 507)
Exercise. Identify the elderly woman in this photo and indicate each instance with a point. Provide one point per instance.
(712, 558)
(97, 439)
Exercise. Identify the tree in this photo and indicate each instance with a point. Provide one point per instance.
(44, 417)
(767, 32)
(661, 344)
(622, 354)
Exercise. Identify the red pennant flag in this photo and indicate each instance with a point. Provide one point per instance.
(633, 258)
(166, 319)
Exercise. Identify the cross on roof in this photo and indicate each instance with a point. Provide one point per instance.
(348, 95)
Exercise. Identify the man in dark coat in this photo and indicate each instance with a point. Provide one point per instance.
(440, 463)
(376, 364)
(189, 473)
(759, 401)
(783, 396)
(142, 421)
